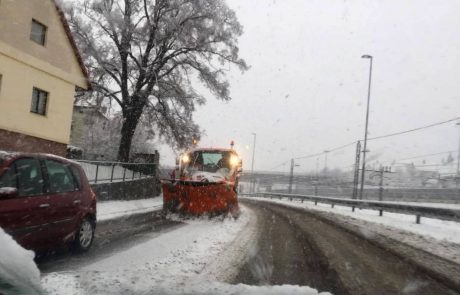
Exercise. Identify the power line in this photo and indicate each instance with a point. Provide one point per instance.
(415, 129)
(326, 151)
(279, 165)
(373, 138)
(308, 156)
(342, 146)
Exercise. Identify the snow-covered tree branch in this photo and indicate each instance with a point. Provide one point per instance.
(144, 55)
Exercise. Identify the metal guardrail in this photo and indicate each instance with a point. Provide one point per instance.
(104, 171)
(418, 211)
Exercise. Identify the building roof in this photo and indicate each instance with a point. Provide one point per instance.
(65, 24)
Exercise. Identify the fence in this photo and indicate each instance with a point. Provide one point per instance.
(418, 211)
(103, 172)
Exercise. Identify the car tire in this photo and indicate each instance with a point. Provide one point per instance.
(84, 235)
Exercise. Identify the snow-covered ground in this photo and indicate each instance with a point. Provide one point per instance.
(18, 272)
(115, 209)
(439, 237)
(197, 258)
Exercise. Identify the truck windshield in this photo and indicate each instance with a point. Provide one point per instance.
(208, 161)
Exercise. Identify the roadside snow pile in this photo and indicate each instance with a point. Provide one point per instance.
(107, 210)
(193, 259)
(18, 272)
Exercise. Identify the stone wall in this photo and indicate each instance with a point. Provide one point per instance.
(18, 142)
(128, 190)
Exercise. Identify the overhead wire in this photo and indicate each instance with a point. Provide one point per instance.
(372, 138)
(415, 129)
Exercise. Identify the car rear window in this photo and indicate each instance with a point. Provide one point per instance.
(76, 175)
(61, 179)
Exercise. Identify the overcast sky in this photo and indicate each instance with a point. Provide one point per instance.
(306, 89)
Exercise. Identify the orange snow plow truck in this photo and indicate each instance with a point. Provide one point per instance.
(205, 181)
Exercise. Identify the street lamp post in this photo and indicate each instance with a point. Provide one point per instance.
(252, 164)
(367, 123)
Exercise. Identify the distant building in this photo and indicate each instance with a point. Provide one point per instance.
(40, 68)
(87, 128)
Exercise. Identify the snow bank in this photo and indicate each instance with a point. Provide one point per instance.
(18, 272)
(115, 209)
(189, 260)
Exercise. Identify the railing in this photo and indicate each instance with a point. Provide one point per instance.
(103, 171)
(418, 211)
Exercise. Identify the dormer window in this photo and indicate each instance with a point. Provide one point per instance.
(38, 32)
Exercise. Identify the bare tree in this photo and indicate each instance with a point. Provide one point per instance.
(145, 54)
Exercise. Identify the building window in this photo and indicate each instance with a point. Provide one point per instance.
(38, 32)
(39, 101)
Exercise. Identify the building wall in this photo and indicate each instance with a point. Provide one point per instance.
(15, 25)
(25, 64)
(18, 80)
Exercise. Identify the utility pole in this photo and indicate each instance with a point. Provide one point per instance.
(291, 176)
(381, 174)
(381, 184)
(458, 159)
(252, 165)
(367, 123)
(316, 171)
(325, 162)
(356, 171)
(315, 182)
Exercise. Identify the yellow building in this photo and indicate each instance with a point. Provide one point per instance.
(40, 68)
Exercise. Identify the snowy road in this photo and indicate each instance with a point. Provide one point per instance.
(200, 256)
(311, 248)
(111, 237)
(270, 249)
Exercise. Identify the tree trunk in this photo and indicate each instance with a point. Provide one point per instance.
(130, 120)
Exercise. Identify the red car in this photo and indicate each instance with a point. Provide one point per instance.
(46, 201)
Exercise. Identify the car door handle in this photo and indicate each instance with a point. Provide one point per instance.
(77, 202)
(44, 205)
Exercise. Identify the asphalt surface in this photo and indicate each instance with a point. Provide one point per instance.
(110, 237)
(303, 248)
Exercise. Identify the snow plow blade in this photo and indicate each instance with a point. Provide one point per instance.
(197, 198)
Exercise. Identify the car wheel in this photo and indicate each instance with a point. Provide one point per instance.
(84, 236)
